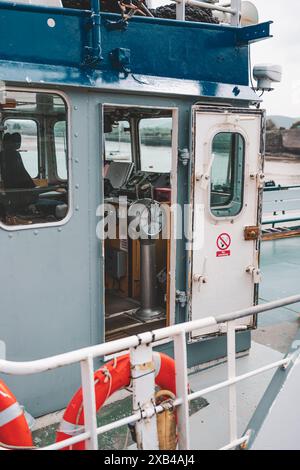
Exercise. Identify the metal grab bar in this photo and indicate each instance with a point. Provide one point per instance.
(234, 9)
(138, 347)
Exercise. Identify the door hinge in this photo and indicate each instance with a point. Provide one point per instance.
(259, 177)
(181, 298)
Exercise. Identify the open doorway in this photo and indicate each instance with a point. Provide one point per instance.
(139, 167)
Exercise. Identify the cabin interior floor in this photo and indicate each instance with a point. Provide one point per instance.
(120, 318)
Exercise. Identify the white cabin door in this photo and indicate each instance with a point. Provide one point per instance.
(227, 187)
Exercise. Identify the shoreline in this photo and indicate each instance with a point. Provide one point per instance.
(284, 158)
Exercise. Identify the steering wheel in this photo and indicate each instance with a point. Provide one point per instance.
(148, 217)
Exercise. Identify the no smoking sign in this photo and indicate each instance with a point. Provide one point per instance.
(223, 244)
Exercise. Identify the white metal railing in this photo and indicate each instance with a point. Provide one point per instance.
(281, 204)
(231, 7)
(140, 348)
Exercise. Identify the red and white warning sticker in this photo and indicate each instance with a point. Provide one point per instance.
(223, 244)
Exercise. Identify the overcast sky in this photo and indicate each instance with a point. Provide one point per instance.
(283, 49)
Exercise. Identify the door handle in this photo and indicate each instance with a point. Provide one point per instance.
(200, 279)
(205, 177)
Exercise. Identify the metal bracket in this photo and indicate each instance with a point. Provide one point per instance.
(255, 273)
(249, 34)
(251, 233)
(184, 156)
(181, 298)
(120, 25)
(121, 59)
(200, 279)
(244, 445)
(260, 179)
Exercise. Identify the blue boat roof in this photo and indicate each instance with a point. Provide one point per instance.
(94, 49)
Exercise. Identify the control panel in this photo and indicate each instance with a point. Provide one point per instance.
(143, 184)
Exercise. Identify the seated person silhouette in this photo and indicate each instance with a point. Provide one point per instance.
(13, 171)
(14, 177)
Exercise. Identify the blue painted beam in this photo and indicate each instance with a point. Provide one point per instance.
(254, 33)
(20, 73)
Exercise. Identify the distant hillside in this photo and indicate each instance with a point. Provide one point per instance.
(283, 121)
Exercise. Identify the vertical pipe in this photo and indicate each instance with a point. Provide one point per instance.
(96, 35)
(89, 402)
(182, 391)
(96, 6)
(148, 278)
(231, 365)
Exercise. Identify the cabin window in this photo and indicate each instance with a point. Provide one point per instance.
(156, 144)
(117, 141)
(227, 174)
(33, 159)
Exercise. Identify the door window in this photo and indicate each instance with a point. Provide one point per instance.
(227, 174)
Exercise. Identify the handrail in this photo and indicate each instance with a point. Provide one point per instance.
(139, 346)
(105, 349)
(234, 9)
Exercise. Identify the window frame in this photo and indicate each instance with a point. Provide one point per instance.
(229, 213)
(68, 105)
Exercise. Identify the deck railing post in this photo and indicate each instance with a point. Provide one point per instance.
(89, 402)
(180, 10)
(182, 391)
(96, 56)
(231, 367)
(236, 18)
(143, 396)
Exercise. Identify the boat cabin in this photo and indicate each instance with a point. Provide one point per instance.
(106, 120)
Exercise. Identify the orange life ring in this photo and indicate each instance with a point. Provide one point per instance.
(115, 375)
(14, 430)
